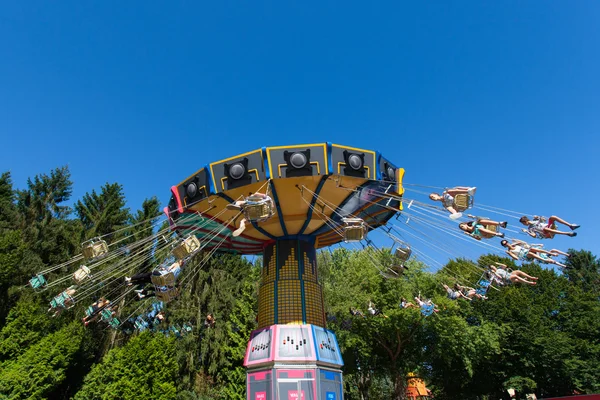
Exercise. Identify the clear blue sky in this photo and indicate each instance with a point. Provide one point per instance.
(501, 95)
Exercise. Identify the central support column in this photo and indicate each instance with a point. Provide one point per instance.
(289, 290)
(291, 355)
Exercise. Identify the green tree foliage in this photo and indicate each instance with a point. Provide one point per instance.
(26, 324)
(12, 249)
(227, 288)
(543, 338)
(142, 224)
(43, 368)
(103, 213)
(8, 212)
(50, 236)
(145, 368)
(43, 200)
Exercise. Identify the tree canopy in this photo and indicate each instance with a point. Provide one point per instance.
(543, 339)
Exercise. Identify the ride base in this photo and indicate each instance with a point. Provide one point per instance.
(291, 355)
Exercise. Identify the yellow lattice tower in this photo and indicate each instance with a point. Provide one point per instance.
(289, 291)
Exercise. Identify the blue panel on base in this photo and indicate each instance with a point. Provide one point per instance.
(327, 347)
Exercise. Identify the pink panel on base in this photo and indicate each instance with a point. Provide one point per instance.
(296, 373)
(260, 375)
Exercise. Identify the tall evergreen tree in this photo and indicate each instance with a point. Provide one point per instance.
(103, 213)
(51, 238)
(8, 214)
(44, 197)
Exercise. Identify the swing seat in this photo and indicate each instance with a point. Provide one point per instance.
(355, 229)
(163, 280)
(63, 300)
(168, 295)
(106, 315)
(427, 309)
(403, 253)
(493, 228)
(94, 248)
(81, 274)
(481, 291)
(462, 202)
(140, 324)
(484, 283)
(38, 283)
(114, 323)
(396, 271)
(187, 247)
(258, 209)
(89, 311)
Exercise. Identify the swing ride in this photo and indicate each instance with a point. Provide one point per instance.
(283, 203)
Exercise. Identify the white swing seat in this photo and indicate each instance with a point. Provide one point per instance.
(94, 248)
(403, 253)
(81, 274)
(355, 229)
(187, 247)
(395, 271)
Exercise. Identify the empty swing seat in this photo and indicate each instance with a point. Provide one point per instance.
(462, 202)
(38, 282)
(355, 229)
(397, 271)
(403, 253)
(187, 247)
(258, 209)
(94, 249)
(81, 274)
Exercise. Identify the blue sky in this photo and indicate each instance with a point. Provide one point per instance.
(501, 95)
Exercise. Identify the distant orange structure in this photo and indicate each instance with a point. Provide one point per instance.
(416, 390)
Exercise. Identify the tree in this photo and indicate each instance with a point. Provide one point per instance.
(43, 368)
(104, 213)
(44, 197)
(145, 368)
(43, 217)
(26, 324)
(8, 212)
